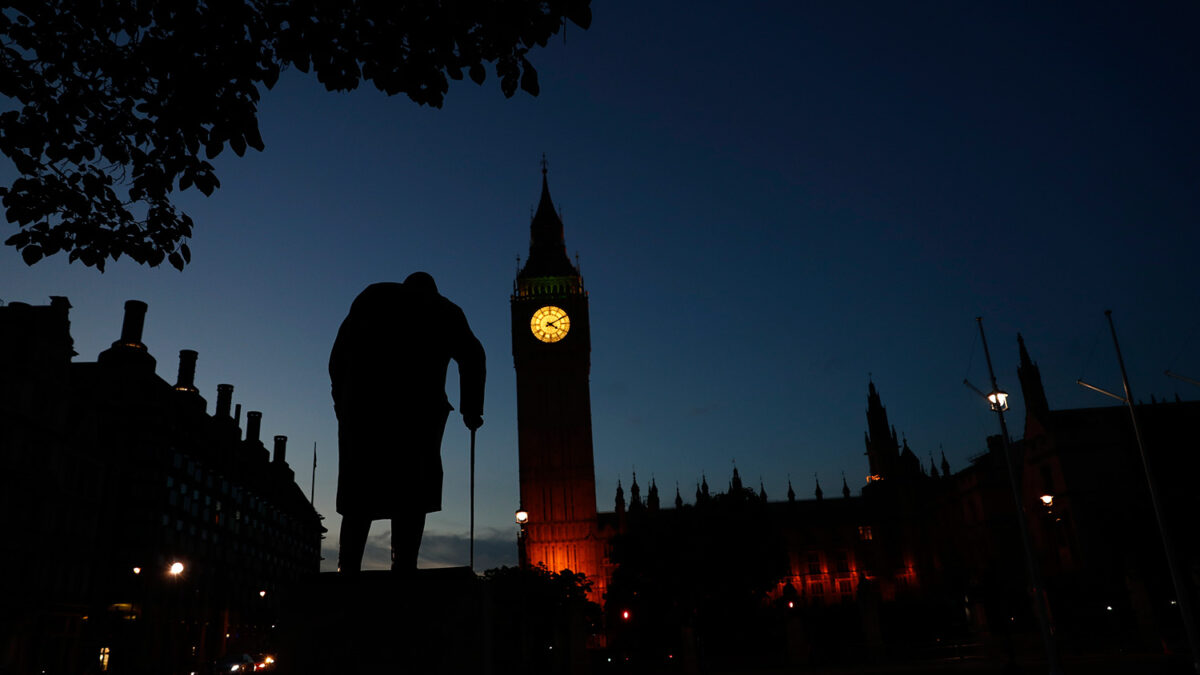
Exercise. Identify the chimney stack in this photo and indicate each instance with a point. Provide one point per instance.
(281, 449)
(187, 371)
(253, 423)
(131, 327)
(237, 414)
(224, 398)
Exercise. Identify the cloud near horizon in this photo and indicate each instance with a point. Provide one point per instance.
(493, 548)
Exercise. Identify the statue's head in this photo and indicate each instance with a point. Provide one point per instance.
(421, 282)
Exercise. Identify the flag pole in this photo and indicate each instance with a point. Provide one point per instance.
(312, 490)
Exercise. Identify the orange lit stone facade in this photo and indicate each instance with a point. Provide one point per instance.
(554, 417)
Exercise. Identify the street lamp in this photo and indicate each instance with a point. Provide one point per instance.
(998, 400)
(522, 517)
(175, 569)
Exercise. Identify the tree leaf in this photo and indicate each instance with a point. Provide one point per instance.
(31, 254)
(477, 73)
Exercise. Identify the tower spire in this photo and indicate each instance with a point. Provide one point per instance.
(883, 452)
(547, 245)
(1031, 383)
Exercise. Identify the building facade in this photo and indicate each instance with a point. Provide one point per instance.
(149, 535)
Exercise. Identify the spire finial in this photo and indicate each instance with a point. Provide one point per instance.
(545, 165)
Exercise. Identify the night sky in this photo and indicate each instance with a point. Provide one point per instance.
(769, 203)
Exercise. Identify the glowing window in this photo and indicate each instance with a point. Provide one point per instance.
(864, 532)
(104, 653)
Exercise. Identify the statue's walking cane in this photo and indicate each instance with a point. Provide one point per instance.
(472, 500)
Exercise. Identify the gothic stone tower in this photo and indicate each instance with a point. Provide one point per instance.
(883, 452)
(551, 345)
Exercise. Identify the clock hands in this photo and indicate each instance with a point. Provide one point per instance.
(550, 324)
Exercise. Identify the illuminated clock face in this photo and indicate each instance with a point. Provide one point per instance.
(550, 324)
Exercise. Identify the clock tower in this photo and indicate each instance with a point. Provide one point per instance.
(551, 345)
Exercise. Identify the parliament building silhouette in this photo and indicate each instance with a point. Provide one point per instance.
(922, 555)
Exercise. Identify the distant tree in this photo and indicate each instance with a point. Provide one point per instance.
(116, 104)
(540, 619)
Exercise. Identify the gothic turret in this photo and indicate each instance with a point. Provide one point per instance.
(791, 492)
(652, 496)
(882, 449)
(1031, 384)
(635, 495)
(620, 505)
(820, 494)
(845, 486)
(678, 497)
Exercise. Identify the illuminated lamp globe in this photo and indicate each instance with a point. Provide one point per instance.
(522, 516)
(1048, 500)
(176, 568)
(999, 400)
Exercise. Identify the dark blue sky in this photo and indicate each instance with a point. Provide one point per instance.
(769, 202)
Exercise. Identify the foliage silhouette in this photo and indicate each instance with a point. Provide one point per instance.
(534, 608)
(115, 105)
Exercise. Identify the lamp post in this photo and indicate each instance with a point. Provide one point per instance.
(522, 517)
(1182, 592)
(998, 400)
(174, 648)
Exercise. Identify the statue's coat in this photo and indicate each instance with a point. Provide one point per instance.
(388, 371)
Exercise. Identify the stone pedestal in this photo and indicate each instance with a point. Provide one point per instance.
(427, 621)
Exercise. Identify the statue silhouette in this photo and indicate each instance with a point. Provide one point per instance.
(388, 371)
